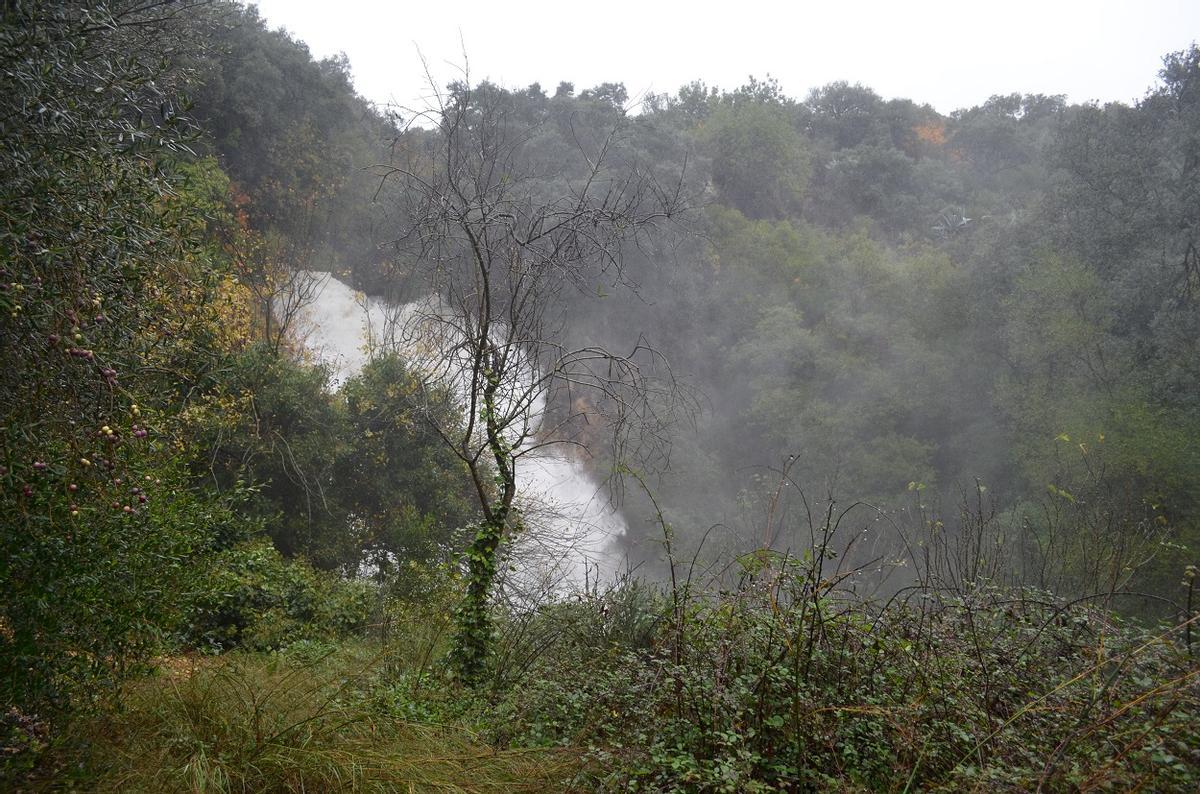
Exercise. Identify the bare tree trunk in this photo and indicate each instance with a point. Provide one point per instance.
(499, 240)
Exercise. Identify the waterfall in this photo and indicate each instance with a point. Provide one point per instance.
(570, 524)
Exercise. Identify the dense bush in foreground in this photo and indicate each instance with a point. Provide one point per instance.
(774, 685)
(777, 686)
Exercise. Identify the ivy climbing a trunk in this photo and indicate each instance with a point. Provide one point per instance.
(495, 240)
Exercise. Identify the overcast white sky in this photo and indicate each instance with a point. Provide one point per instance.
(949, 54)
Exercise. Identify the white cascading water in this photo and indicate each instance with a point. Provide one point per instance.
(568, 545)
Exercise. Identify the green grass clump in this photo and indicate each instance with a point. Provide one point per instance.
(295, 721)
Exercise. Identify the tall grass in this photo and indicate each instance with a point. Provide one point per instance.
(289, 723)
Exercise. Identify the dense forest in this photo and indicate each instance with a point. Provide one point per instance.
(899, 412)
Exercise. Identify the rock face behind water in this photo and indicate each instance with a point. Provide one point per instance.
(570, 526)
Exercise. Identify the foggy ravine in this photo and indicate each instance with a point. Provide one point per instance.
(568, 436)
(571, 526)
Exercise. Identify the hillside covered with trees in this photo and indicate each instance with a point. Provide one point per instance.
(900, 412)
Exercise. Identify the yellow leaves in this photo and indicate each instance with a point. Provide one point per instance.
(234, 313)
(932, 132)
(1062, 493)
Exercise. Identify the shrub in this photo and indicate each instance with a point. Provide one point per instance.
(249, 596)
(782, 685)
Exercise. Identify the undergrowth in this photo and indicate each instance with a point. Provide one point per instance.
(299, 720)
(777, 683)
(775, 686)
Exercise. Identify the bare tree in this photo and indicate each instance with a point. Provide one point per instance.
(281, 295)
(498, 235)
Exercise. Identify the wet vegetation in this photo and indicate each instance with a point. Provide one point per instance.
(901, 411)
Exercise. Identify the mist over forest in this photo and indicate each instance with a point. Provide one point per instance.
(548, 438)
